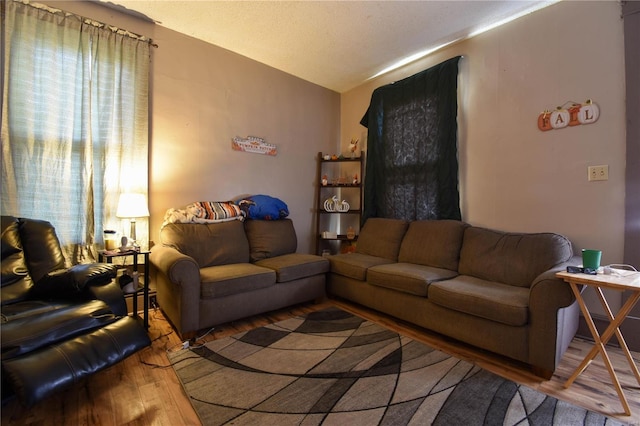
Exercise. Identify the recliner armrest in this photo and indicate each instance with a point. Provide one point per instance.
(70, 282)
(93, 274)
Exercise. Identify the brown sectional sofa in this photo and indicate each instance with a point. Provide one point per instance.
(491, 289)
(209, 274)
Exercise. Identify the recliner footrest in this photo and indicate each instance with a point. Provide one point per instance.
(27, 333)
(40, 373)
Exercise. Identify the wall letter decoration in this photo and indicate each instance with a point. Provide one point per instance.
(544, 121)
(559, 118)
(589, 113)
(575, 115)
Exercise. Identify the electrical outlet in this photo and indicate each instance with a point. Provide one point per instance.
(598, 172)
(153, 302)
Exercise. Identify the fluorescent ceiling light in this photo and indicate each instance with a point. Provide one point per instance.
(424, 53)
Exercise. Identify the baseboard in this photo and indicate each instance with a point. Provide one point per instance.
(630, 331)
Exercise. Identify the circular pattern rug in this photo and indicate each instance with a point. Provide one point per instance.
(331, 367)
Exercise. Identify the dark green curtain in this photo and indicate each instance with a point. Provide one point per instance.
(412, 156)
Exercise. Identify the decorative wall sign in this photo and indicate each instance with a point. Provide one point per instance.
(576, 114)
(253, 144)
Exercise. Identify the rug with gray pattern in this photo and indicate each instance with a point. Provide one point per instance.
(333, 368)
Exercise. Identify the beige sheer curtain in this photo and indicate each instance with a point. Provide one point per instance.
(74, 124)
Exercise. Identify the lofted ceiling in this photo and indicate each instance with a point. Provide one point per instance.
(335, 44)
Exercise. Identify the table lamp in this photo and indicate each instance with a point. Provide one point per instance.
(132, 206)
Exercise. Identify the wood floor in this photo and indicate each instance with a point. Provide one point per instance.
(144, 390)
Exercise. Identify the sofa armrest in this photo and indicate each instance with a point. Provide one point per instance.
(554, 292)
(553, 318)
(179, 268)
(550, 292)
(177, 286)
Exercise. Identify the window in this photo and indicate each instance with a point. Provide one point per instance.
(74, 122)
(412, 163)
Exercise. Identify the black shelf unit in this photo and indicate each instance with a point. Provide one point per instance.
(136, 264)
(340, 175)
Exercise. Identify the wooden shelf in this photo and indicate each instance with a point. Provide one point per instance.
(336, 221)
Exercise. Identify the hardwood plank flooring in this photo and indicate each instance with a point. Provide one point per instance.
(144, 390)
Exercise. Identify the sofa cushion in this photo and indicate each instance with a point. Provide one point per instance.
(208, 244)
(270, 238)
(433, 243)
(503, 303)
(355, 265)
(290, 267)
(381, 237)
(407, 277)
(225, 280)
(511, 258)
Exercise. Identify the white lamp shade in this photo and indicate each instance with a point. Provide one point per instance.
(132, 205)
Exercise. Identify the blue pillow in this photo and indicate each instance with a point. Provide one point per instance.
(264, 207)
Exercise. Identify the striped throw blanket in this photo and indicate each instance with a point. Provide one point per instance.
(204, 212)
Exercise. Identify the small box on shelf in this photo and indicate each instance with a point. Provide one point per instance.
(329, 235)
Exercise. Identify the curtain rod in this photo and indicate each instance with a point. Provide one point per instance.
(89, 21)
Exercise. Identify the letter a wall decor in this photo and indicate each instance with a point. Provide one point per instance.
(568, 115)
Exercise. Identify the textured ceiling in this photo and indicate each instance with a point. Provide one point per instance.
(335, 44)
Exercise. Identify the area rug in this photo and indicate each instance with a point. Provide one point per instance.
(333, 368)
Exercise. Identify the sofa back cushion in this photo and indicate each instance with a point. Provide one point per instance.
(381, 237)
(434, 243)
(270, 238)
(511, 258)
(208, 244)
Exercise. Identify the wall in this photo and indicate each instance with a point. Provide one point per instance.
(631, 11)
(513, 176)
(201, 97)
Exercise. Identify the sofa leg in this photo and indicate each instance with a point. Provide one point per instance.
(542, 372)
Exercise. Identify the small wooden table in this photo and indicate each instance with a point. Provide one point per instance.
(629, 281)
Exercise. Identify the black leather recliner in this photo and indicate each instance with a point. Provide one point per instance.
(59, 325)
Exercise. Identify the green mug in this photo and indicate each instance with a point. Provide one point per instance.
(591, 258)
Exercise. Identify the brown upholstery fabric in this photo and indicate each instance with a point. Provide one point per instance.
(290, 267)
(511, 258)
(381, 237)
(355, 265)
(270, 238)
(493, 301)
(407, 277)
(433, 243)
(208, 244)
(225, 280)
